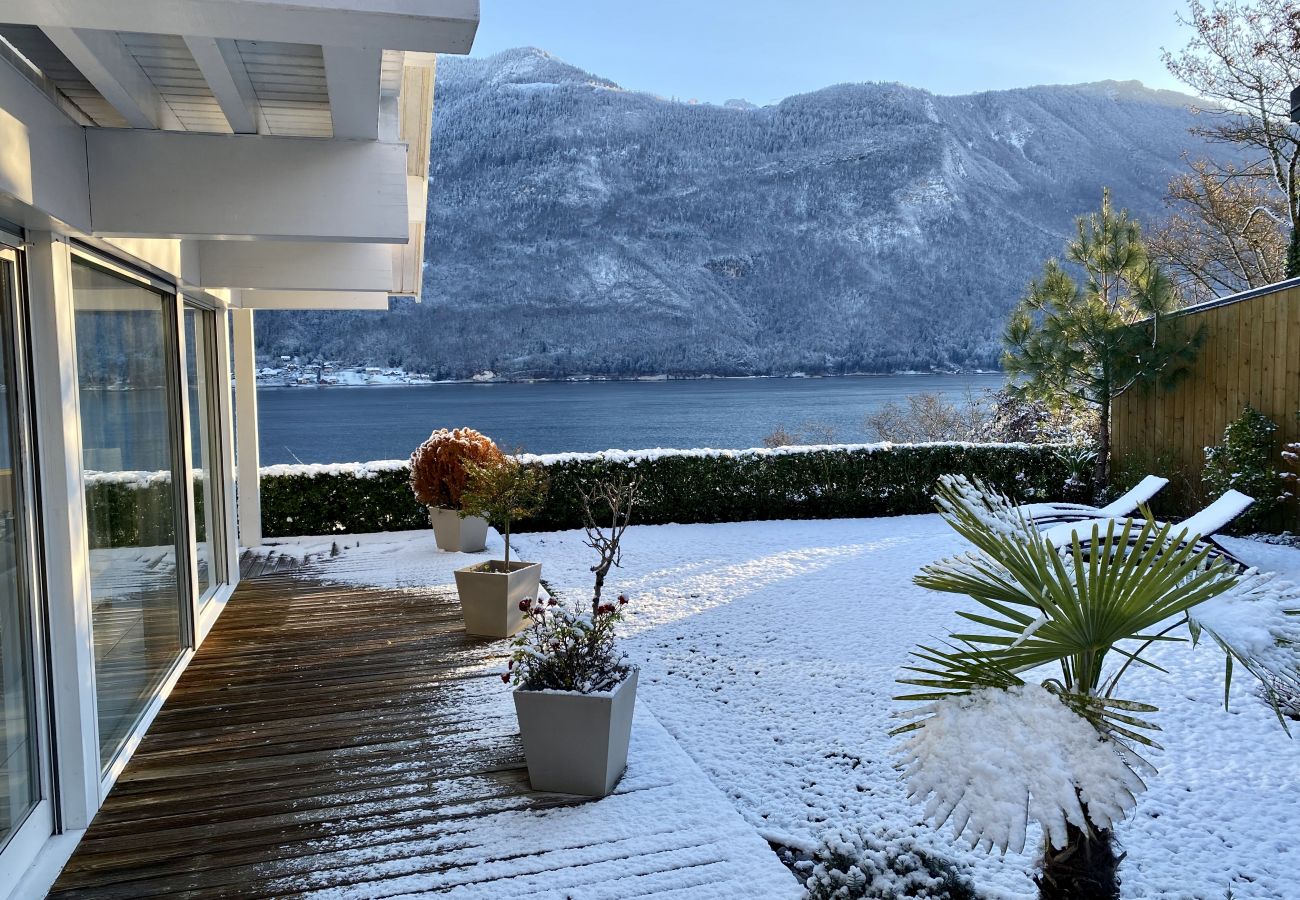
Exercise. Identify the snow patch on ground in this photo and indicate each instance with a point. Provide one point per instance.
(769, 651)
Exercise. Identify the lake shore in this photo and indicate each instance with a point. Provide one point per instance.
(389, 421)
(415, 380)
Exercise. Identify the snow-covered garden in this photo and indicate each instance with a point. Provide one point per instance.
(769, 652)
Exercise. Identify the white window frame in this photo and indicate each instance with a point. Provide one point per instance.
(40, 822)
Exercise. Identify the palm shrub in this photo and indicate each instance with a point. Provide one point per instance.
(502, 490)
(994, 749)
(1246, 461)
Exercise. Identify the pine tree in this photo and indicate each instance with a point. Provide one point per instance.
(1293, 254)
(1088, 340)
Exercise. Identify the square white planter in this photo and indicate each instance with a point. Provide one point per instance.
(489, 596)
(576, 743)
(457, 535)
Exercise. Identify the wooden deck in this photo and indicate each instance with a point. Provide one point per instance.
(316, 727)
(332, 741)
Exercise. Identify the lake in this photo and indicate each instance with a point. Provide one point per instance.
(341, 424)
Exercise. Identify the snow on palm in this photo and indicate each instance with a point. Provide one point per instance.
(994, 760)
(989, 751)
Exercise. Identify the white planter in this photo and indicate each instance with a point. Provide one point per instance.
(489, 596)
(576, 743)
(451, 532)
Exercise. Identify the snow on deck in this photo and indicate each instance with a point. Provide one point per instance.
(769, 652)
(666, 832)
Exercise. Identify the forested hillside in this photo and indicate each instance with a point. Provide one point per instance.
(576, 227)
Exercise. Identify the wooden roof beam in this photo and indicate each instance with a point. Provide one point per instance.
(223, 69)
(110, 67)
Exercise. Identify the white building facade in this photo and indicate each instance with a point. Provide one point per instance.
(166, 168)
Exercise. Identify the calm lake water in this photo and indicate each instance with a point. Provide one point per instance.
(339, 424)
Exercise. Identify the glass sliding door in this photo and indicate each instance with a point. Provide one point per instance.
(205, 448)
(125, 339)
(20, 750)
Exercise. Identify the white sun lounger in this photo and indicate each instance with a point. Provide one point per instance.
(1199, 528)
(1044, 514)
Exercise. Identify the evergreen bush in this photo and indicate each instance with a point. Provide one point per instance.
(883, 863)
(680, 486)
(1247, 461)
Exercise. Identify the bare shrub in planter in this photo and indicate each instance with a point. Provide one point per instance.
(573, 648)
(575, 692)
(493, 594)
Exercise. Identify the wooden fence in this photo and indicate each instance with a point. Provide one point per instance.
(1251, 356)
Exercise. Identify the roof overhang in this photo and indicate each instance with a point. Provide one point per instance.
(273, 145)
(431, 26)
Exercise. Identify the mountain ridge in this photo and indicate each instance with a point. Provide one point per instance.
(579, 228)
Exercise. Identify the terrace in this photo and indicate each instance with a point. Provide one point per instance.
(345, 740)
(337, 735)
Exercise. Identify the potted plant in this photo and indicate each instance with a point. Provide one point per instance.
(574, 689)
(438, 478)
(499, 490)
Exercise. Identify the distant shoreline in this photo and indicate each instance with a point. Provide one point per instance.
(390, 381)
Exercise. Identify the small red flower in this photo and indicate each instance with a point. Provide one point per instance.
(505, 677)
(622, 600)
(525, 604)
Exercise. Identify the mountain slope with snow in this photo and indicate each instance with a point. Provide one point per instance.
(577, 227)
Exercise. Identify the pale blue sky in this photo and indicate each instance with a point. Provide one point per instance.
(763, 50)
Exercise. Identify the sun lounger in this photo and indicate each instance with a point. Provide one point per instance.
(1046, 514)
(1200, 528)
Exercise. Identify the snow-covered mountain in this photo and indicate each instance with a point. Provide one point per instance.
(577, 227)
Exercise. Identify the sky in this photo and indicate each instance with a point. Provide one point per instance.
(764, 50)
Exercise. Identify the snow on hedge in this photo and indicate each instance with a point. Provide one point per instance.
(375, 467)
(133, 479)
(316, 470)
(370, 469)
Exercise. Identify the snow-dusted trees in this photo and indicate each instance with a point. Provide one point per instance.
(1244, 58)
(995, 749)
(1094, 327)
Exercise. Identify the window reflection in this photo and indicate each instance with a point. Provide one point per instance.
(126, 416)
(199, 337)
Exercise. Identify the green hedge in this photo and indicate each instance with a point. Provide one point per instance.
(681, 486)
(133, 513)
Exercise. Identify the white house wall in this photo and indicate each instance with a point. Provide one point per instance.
(179, 184)
(294, 266)
(42, 158)
(235, 222)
